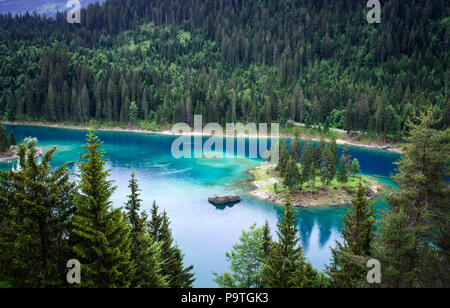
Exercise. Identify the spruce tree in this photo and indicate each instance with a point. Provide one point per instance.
(295, 148)
(327, 170)
(349, 258)
(267, 238)
(292, 178)
(334, 156)
(422, 196)
(178, 275)
(312, 177)
(342, 174)
(133, 206)
(286, 266)
(145, 252)
(4, 140)
(149, 263)
(12, 139)
(133, 113)
(283, 157)
(422, 189)
(399, 251)
(307, 160)
(356, 168)
(101, 234)
(84, 104)
(36, 204)
(155, 222)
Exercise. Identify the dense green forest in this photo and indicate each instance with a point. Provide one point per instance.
(245, 60)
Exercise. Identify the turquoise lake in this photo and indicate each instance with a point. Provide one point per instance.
(182, 187)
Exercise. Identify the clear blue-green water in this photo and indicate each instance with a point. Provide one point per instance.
(182, 187)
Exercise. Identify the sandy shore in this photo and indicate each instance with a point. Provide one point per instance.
(386, 147)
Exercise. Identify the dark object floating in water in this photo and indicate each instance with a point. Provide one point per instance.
(224, 200)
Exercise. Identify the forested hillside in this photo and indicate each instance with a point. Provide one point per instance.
(243, 60)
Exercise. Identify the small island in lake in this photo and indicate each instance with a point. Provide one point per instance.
(311, 176)
(270, 187)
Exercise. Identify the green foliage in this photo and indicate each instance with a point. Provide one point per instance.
(420, 209)
(46, 220)
(327, 167)
(101, 235)
(133, 206)
(178, 276)
(247, 258)
(312, 176)
(292, 178)
(355, 166)
(283, 157)
(133, 113)
(398, 250)
(343, 171)
(286, 266)
(4, 140)
(145, 251)
(422, 171)
(307, 160)
(347, 268)
(36, 205)
(217, 63)
(295, 148)
(12, 139)
(267, 239)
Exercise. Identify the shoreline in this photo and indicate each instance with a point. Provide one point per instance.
(386, 147)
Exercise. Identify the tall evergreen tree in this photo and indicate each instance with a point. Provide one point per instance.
(101, 234)
(145, 252)
(356, 168)
(283, 157)
(267, 239)
(133, 113)
(295, 148)
(422, 197)
(343, 171)
(286, 266)
(307, 160)
(12, 139)
(399, 251)
(178, 275)
(66, 97)
(291, 177)
(312, 177)
(36, 205)
(334, 156)
(348, 267)
(50, 106)
(84, 104)
(327, 170)
(4, 140)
